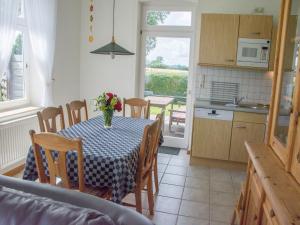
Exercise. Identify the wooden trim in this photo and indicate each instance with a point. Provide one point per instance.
(13, 172)
(234, 66)
(275, 73)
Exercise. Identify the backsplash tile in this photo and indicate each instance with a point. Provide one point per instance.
(256, 86)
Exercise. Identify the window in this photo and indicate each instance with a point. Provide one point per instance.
(168, 18)
(13, 85)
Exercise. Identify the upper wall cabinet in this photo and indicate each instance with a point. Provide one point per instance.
(218, 42)
(255, 26)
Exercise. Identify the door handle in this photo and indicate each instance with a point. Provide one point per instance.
(241, 127)
(298, 157)
(229, 60)
(256, 33)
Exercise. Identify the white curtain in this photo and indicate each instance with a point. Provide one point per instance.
(41, 22)
(8, 21)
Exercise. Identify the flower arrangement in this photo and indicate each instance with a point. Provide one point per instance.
(108, 103)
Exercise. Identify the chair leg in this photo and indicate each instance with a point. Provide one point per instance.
(138, 199)
(150, 195)
(156, 174)
(233, 218)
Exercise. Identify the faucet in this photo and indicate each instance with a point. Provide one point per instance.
(237, 101)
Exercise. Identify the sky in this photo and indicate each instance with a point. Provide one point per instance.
(175, 51)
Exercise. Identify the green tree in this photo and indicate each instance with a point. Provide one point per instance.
(17, 48)
(153, 18)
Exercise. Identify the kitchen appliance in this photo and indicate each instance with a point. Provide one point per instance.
(213, 114)
(253, 52)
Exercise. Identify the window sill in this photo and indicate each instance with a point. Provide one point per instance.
(18, 113)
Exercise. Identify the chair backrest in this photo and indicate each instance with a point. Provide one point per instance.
(74, 111)
(57, 166)
(47, 119)
(159, 117)
(139, 107)
(147, 149)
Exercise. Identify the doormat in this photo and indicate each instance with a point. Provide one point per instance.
(168, 150)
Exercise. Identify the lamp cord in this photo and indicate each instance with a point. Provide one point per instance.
(113, 31)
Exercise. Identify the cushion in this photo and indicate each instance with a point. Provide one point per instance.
(19, 208)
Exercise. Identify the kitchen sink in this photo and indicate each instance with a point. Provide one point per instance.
(248, 105)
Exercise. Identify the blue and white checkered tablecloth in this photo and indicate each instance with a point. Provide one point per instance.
(110, 155)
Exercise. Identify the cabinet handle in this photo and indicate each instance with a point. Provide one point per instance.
(298, 157)
(255, 217)
(241, 127)
(229, 60)
(256, 33)
(272, 213)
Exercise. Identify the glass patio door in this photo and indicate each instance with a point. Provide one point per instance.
(167, 39)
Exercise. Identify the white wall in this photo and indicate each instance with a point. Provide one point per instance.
(100, 73)
(67, 55)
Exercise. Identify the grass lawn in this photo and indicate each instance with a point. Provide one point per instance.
(156, 110)
(166, 72)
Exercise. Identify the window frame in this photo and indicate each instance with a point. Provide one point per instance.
(22, 102)
(171, 28)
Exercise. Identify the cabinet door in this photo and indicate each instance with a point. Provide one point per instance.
(295, 168)
(211, 138)
(255, 26)
(242, 132)
(218, 41)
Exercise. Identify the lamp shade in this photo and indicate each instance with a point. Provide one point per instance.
(112, 49)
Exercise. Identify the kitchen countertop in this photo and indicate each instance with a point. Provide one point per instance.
(208, 105)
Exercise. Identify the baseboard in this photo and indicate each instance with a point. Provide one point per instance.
(218, 163)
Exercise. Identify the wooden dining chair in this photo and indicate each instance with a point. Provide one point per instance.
(138, 107)
(74, 111)
(159, 117)
(47, 119)
(145, 165)
(58, 166)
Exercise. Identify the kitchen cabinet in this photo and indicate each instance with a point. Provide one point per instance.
(255, 26)
(219, 38)
(242, 131)
(211, 138)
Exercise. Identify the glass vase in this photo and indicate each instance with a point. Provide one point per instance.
(107, 116)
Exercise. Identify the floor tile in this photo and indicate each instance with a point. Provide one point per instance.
(222, 198)
(183, 220)
(167, 205)
(172, 191)
(238, 176)
(160, 218)
(173, 179)
(222, 186)
(161, 167)
(221, 175)
(178, 162)
(194, 209)
(130, 198)
(164, 155)
(197, 195)
(197, 183)
(163, 160)
(221, 213)
(198, 172)
(178, 170)
(218, 223)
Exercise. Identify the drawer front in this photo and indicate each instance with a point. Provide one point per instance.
(249, 117)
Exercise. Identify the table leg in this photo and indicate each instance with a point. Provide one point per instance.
(163, 117)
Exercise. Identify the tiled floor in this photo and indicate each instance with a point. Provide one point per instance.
(193, 195)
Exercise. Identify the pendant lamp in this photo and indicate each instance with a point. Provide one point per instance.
(112, 48)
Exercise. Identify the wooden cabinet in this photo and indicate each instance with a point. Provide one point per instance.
(211, 138)
(255, 26)
(218, 41)
(241, 132)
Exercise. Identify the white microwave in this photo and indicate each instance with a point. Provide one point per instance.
(253, 52)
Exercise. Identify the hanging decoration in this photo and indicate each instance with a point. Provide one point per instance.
(91, 21)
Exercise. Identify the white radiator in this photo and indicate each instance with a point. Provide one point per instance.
(15, 141)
